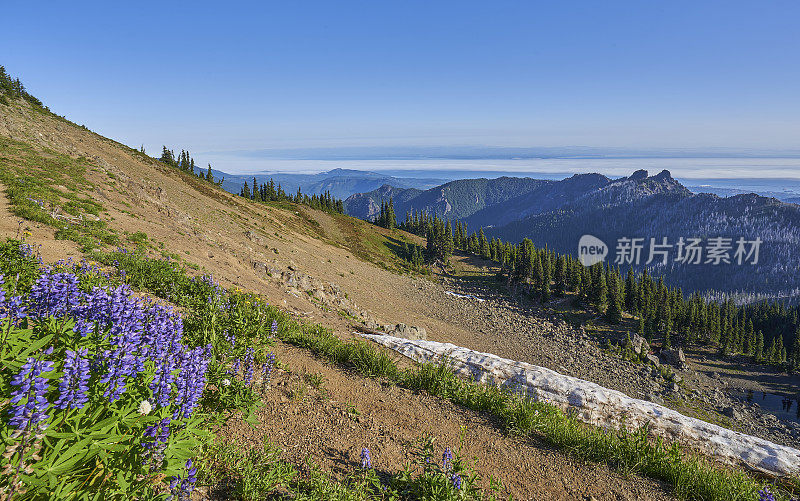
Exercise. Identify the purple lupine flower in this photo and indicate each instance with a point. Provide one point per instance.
(366, 461)
(765, 495)
(235, 366)
(447, 458)
(3, 313)
(181, 488)
(192, 379)
(274, 329)
(269, 365)
(120, 364)
(74, 384)
(16, 308)
(159, 432)
(54, 294)
(248, 366)
(154, 449)
(455, 479)
(33, 388)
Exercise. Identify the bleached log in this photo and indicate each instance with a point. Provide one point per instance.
(603, 407)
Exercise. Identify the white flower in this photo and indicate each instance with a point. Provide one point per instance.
(226, 382)
(145, 408)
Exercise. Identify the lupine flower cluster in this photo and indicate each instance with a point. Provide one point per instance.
(366, 461)
(75, 382)
(29, 385)
(274, 329)
(269, 365)
(447, 459)
(154, 448)
(181, 488)
(248, 365)
(765, 495)
(134, 332)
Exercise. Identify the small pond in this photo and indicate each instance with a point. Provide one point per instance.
(782, 406)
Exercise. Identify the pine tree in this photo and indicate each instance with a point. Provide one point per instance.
(545, 280)
(614, 311)
(794, 353)
(599, 289)
(758, 352)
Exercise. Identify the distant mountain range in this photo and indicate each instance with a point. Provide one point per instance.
(557, 213)
(340, 182)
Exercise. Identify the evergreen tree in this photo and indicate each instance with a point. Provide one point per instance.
(614, 311)
(794, 352)
(545, 280)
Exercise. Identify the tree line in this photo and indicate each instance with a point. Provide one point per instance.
(185, 162)
(270, 192)
(13, 88)
(766, 332)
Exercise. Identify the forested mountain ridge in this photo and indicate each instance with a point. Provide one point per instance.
(340, 183)
(659, 207)
(548, 196)
(454, 200)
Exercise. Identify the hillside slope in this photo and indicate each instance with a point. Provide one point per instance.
(106, 194)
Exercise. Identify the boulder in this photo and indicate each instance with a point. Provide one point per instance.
(674, 357)
(654, 360)
(640, 345)
(731, 413)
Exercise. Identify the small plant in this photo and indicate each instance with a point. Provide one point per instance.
(315, 380)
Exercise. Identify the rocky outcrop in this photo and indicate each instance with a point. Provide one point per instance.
(330, 295)
(674, 357)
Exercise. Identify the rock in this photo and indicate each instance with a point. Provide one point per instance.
(655, 398)
(640, 345)
(292, 266)
(674, 357)
(654, 360)
(731, 413)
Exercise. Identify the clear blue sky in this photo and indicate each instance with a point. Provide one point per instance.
(235, 75)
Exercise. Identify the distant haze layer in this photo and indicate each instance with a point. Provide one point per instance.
(684, 168)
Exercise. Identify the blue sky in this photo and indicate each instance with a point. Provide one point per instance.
(237, 75)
